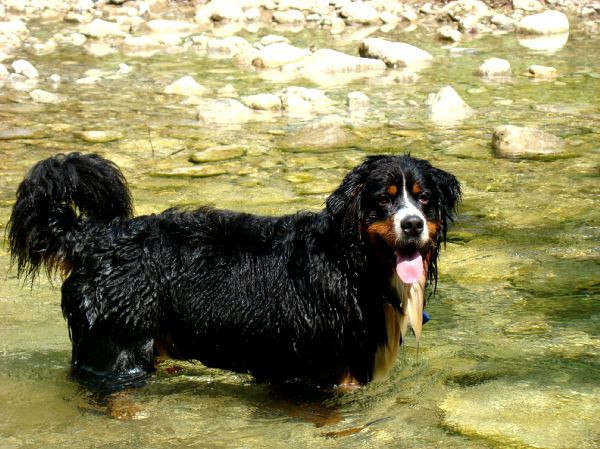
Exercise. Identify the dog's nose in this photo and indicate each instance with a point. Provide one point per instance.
(412, 225)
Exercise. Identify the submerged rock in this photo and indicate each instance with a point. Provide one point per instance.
(517, 141)
(195, 171)
(357, 100)
(219, 153)
(546, 43)
(446, 107)
(394, 54)
(547, 22)
(318, 137)
(41, 96)
(99, 136)
(224, 111)
(21, 133)
(301, 101)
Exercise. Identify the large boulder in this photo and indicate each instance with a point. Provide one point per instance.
(547, 22)
(394, 54)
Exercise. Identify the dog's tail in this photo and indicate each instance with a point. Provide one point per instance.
(55, 198)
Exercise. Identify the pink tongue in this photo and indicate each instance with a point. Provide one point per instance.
(409, 268)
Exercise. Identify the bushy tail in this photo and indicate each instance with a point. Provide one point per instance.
(53, 200)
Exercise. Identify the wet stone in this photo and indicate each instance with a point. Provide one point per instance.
(517, 141)
(196, 171)
(320, 137)
(21, 133)
(219, 153)
(99, 136)
(41, 96)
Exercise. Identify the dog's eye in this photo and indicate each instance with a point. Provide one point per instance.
(424, 197)
(383, 200)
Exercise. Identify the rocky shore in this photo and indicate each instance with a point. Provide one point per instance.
(214, 29)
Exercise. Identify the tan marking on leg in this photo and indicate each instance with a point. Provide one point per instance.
(386, 354)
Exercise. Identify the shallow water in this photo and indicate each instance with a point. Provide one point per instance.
(511, 356)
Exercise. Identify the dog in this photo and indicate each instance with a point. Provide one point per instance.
(322, 298)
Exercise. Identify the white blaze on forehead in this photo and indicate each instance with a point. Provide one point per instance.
(409, 208)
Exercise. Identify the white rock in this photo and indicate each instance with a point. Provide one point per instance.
(132, 44)
(394, 54)
(278, 55)
(495, 67)
(99, 28)
(55, 78)
(124, 69)
(76, 39)
(360, 12)
(446, 107)
(263, 102)
(547, 22)
(448, 33)
(41, 96)
(273, 39)
(527, 5)
(544, 43)
(460, 9)
(3, 72)
(226, 11)
(291, 16)
(21, 83)
(389, 18)
(25, 68)
(227, 47)
(300, 101)
(14, 28)
(542, 72)
(325, 66)
(502, 21)
(337, 25)
(357, 100)
(224, 111)
(160, 26)
(84, 5)
(187, 86)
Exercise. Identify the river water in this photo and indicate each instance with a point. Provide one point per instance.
(511, 355)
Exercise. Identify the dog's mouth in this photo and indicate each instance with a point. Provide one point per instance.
(409, 264)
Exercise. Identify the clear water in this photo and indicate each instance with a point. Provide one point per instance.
(511, 356)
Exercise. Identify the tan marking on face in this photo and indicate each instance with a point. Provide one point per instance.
(416, 188)
(392, 190)
(383, 229)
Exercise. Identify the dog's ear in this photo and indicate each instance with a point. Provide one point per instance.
(449, 191)
(348, 192)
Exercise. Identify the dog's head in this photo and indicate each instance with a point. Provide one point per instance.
(400, 208)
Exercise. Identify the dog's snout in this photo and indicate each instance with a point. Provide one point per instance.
(412, 225)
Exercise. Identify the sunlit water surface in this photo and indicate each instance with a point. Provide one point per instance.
(510, 357)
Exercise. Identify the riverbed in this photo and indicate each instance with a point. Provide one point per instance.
(510, 357)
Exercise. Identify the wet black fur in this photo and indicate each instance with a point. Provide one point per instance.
(296, 297)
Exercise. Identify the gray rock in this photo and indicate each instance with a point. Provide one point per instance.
(516, 141)
(224, 111)
(446, 107)
(219, 153)
(547, 22)
(394, 54)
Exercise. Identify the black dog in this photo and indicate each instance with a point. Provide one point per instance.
(321, 297)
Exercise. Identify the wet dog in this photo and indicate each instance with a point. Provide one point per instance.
(319, 297)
